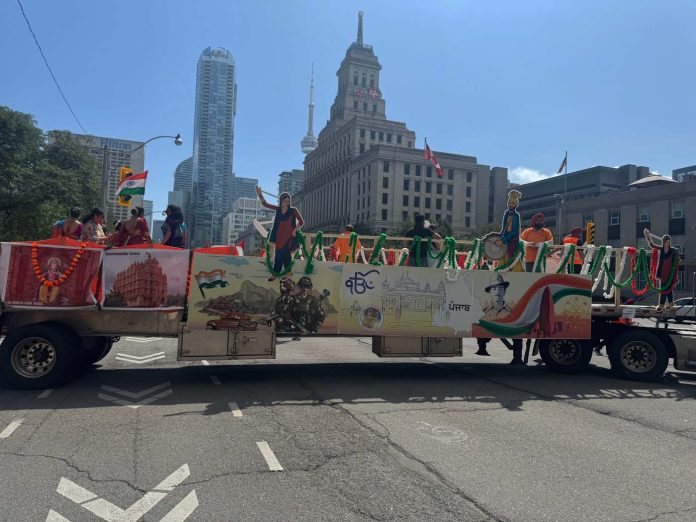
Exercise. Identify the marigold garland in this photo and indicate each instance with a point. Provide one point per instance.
(64, 276)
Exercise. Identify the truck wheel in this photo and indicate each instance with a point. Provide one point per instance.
(95, 349)
(565, 355)
(638, 355)
(38, 356)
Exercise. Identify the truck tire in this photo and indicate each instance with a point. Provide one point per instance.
(565, 355)
(638, 355)
(39, 356)
(95, 349)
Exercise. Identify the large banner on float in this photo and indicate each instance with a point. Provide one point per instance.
(54, 274)
(234, 293)
(144, 278)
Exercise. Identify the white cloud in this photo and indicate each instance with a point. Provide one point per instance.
(525, 175)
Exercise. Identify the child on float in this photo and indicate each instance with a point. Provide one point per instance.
(286, 223)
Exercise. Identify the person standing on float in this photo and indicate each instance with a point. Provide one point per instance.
(510, 231)
(575, 238)
(536, 234)
(286, 223)
(665, 262)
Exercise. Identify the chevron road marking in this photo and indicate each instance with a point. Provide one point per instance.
(144, 359)
(112, 513)
(142, 339)
(165, 387)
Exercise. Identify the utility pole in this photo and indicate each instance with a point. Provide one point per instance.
(105, 184)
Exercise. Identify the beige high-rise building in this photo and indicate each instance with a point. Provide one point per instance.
(367, 170)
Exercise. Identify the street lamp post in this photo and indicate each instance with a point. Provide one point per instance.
(105, 164)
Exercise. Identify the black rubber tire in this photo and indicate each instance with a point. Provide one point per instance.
(95, 349)
(638, 355)
(57, 343)
(566, 356)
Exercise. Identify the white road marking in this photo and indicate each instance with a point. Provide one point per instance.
(236, 412)
(55, 517)
(10, 428)
(112, 513)
(139, 360)
(45, 393)
(270, 457)
(205, 363)
(183, 509)
(215, 380)
(142, 339)
(166, 390)
(136, 395)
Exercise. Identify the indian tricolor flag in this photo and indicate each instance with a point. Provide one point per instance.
(132, 185)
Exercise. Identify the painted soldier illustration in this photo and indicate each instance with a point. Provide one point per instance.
(497, 308)
(281, 310)
(306, 309)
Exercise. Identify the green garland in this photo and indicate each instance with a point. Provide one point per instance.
(374, 258)
(672, 272)
(540, 261)
(596, 262)
(352, 244)
(563, 267)
(642, 264)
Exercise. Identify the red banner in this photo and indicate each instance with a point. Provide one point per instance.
(49, 274)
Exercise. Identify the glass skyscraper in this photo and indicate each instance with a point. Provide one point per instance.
(213, 138)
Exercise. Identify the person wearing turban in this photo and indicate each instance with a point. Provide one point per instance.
(534, 235)
(575, 238)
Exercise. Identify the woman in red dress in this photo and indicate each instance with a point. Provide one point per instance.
(135, 231)
(285, 225)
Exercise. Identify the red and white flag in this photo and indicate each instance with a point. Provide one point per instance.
(430, 156)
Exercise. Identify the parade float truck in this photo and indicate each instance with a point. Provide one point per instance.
(64, 304)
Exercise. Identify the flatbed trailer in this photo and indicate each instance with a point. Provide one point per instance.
(42, 349)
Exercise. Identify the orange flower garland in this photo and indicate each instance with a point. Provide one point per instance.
(64, 276)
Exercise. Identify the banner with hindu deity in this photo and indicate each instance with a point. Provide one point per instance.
(236, 293)
(148, 278)
(53, 274)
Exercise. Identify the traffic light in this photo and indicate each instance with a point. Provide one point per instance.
(124, 172)
(589, 233)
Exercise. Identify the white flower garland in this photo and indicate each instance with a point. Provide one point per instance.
(617, 274)
(519, 256)
(361, 255)
(473, 257)
(604, 262)
(587, 263)
(537, 261)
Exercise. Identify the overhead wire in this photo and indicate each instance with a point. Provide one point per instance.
(65, 99)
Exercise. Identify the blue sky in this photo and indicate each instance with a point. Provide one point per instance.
(512, 83)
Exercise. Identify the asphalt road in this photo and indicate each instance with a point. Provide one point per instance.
(355, 438)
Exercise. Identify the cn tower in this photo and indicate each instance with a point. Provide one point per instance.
(309, 142)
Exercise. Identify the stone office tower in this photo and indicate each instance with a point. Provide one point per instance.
(367, 170)
(213, 139)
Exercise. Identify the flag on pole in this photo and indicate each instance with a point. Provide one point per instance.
(564, 164)
(132, 185)
(124, 200)
(430, 156)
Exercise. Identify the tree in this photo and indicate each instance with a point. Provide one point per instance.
(41, 181)
(444, 229)
(403, 227)
(483, 230)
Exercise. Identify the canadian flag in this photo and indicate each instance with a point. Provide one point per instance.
(430, 156)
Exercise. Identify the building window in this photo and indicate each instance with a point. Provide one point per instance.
(614, 217)
(450, 174)
(374, 108)
(449, 204)
(372, 81)
(381, 136)
(364, 107)
(405, 201)
(416, 201)
(385, 198)
(364, 79)
(468, 207)
(418, 185)
(428, 187)
(439, 188)
(404, 215)
(362, 147)
(407, 168)
(467, 222)
(385, 182)
(449, 190)
(368, 202)
(418, 170)
(468, 192)
(406, 184)
(385, 167)
(355, 79)
(449, 218)
(362, 132)
(587, 218)
(427, 202)
(643, 214)
(469, 174)
(676, 209)
(384, 214)
(438, 204)
(389, 137)
(398, 139)
(410, 144)
(355, 105)
(429, 172)
(372, 135)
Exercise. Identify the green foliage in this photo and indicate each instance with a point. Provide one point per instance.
(363, 229)
(483, 230)
(403, 227)
(444, 229)
(40, 181)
